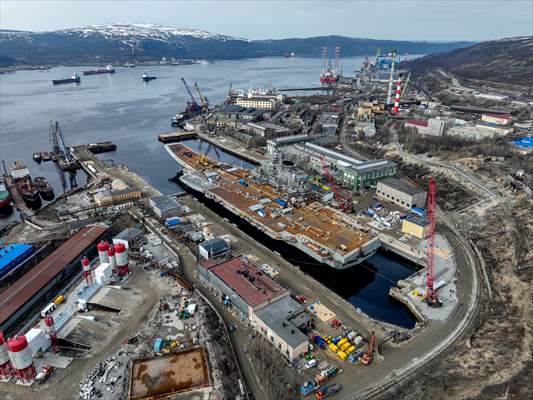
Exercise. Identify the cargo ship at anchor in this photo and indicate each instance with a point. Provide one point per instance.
(323, 233)
(24, 183)
(107, 70)
(75, 78)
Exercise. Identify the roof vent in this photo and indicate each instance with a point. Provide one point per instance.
(292, 331)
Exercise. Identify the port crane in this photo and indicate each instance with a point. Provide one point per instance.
(367, 357)
(193, 106)
(431, 297)
(203, 99)
(343, 201)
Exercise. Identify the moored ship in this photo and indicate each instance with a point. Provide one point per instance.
(75, 78)
(45, 190)
(5, 196)
(25, 184)
(107, 70)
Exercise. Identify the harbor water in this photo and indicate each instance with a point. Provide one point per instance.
(131, 113)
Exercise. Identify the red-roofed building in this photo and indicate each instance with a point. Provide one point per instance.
(415, 123)
(245, 285)
(498, 119)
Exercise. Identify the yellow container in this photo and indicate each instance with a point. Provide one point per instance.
(350, 350)
(342, 341)
(59, 299)
(333, 347)
(342, 355)
(345, 346)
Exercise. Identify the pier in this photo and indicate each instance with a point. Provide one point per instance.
(20, 204)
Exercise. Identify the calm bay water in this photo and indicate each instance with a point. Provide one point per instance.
(131, 113)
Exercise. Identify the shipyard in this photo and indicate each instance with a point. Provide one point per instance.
(329, 225)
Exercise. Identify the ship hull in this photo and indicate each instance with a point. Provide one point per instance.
(99, 72)
(5, 201)
(64, 81)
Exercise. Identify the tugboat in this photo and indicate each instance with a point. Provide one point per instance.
(5, 196)
(45, 190)
(73, 79)
(107, 70)
(37, 157)
(24, 183)
(147, 78)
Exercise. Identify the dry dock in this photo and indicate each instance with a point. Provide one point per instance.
(317, 230)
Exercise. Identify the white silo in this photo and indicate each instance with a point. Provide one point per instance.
(121, 256)
(6, 369)
(21, 359)
(103, 248)
(112, 259)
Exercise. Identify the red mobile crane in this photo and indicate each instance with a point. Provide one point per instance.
(432, 297)
(343, 201)
(367, 357)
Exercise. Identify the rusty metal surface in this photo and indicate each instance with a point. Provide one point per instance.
(158, 377)
(34, 280)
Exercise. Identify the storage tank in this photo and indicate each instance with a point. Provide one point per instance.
(103, 248)
(6, 369)
(21, 359)
(112, 259)
(121, 257)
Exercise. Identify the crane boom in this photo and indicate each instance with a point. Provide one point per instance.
(193, 100)
(389, 91)
(405, 85)
(205, 105)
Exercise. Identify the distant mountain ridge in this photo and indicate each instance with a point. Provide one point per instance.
(508, 60)
(121, 42)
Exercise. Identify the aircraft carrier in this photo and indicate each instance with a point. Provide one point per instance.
(327, 235)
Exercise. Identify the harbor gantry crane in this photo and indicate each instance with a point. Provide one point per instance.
(431, 298)
(367, 357)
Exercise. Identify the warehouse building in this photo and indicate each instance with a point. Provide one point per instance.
(265, 129)
(12, 255)
(38, 284)
(261, 300)
(213, 248)
(274, 145)
(366, 174)
(165, 207)
(399, 192)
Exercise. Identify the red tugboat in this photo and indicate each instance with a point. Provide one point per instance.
(329, 74)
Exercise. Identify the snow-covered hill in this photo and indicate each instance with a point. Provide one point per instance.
(119, 42)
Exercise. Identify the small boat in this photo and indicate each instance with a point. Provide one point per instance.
(73, 79)
(129, 65)
(147, 78)
(37, 157)
(45, 190)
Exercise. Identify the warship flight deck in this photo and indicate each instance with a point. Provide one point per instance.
(318, 230)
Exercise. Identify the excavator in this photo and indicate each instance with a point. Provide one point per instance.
(367, 357)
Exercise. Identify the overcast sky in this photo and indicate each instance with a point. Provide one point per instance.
(261, 19)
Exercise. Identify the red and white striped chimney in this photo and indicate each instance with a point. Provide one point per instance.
(87, 271)
(398, 92)
(103, 247)
(6, 368)
(20, 355)
(51, 332)
(112, 259)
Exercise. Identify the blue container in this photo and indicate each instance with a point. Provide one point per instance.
(282, 203)
(418, 211)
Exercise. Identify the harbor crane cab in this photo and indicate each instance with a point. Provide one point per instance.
(367, 357)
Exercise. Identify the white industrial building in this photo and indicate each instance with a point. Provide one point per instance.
(213, 248)
(400, 193)
(165, 207)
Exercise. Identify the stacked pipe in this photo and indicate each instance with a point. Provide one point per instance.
(87, 271)
(6, 368)
(121, 256)
(51, 332)
(21, 358)
(398, 92)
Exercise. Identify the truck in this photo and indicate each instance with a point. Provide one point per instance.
(327, 391)
(308, 387)
(158, 345)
